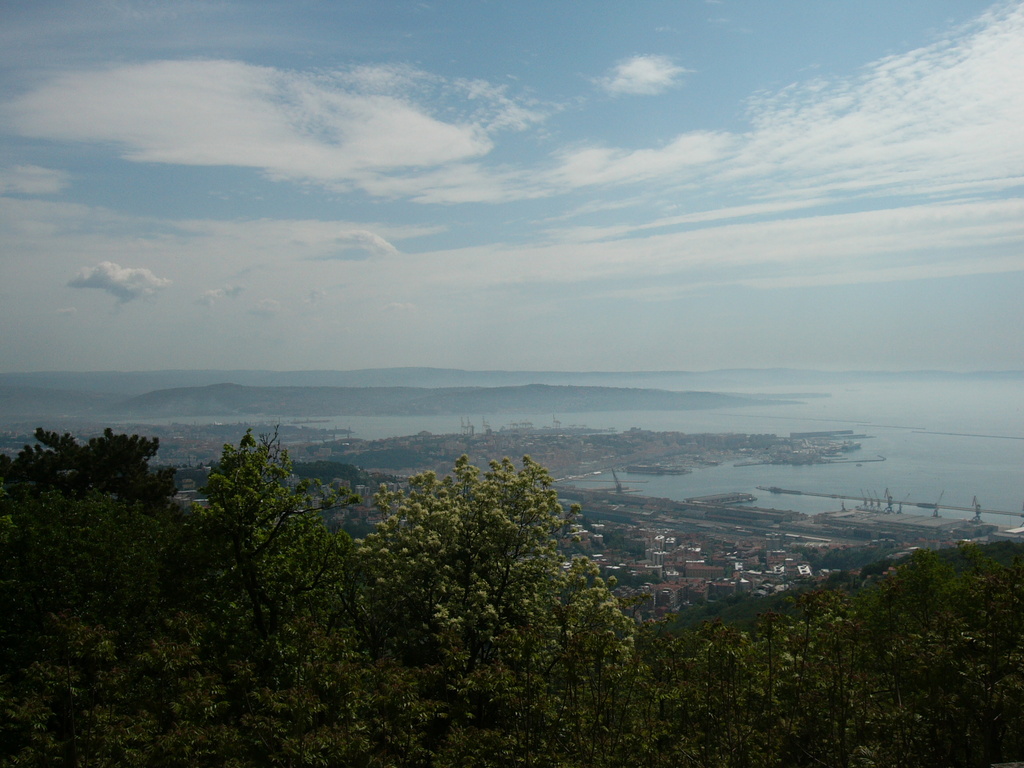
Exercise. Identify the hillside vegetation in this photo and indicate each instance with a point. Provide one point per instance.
(248, 634)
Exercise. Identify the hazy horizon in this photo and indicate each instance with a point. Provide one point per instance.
(697, 187)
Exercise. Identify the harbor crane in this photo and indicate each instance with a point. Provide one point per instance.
(868, 499)
(888, 504)
(618, 483)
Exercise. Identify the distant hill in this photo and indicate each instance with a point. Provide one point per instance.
(416, 391)
(31, 402)
(128, 383)
(237, 400)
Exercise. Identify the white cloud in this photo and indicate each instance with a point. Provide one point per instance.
(495, 109)
(937, 121)
(712, 215)
(940, 117)
(293, 126)
(211, 297)
(31, 180)
(945, 114)
(359, 243)
(462, 183)
(854, 248)
(367, 128)
(940, 123)
(43, 243)
(642, 75)
(267, 307)
(602, 165)
(124, 283)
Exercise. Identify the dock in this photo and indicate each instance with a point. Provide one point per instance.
(887, 499)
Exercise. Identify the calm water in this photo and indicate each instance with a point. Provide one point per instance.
(913, 426)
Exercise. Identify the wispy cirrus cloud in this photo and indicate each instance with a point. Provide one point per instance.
(330, 128)
(942, 117)
(941, 114)
(839, 249)
(124, 283)
(642, 75)
(358, 244)
(588, 166)
(32, 180)
(212, 296)
(266, 308)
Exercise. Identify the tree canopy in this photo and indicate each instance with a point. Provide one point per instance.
(116, 465)
(247, 633)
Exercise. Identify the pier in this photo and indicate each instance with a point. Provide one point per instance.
(887, 498)
(712, 517)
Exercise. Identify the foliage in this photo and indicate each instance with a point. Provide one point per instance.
(115, 465)
(248, 634)
(328, 471)
(849, 558)
(460, 560)
(390, 458)
(281, 561)
(966, 558)
(739, 610)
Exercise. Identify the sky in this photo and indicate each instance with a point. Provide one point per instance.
(537, 185)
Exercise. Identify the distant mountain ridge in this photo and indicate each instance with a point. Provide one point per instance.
(130, 383)
(409, 391)
(237, 400)
(30, 401)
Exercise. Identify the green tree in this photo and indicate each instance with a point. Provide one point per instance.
(458, 562)
(463, 585)
(988, 653)
(85, 586)
(97, 559)
(111, 464)
(912, 630)
(267, 546)
(275, 660)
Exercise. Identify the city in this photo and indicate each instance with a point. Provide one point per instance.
(671, 553)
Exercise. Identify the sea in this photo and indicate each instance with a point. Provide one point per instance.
(956, 443)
